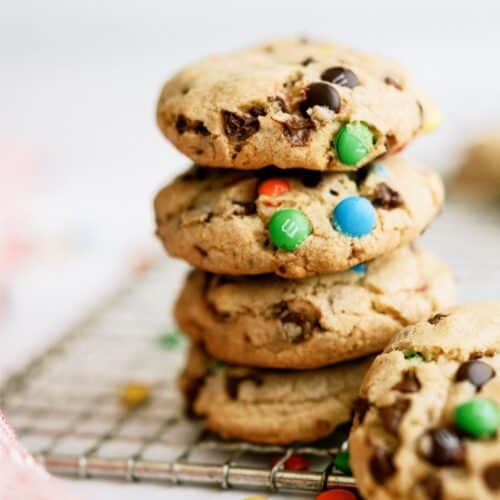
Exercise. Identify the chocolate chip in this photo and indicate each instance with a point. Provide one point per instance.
(200, 128)
(476, 372)
(256, 111)
(389, 80)
(233, 383)
(307, 61)
(340, 76)
(245, 207)
(386, 197)
(360, 407)
(311, 178)
(409, 383)
(437, 318)
(391, 415)
(381, 465)
(333, 192)
(298, 326)
(441, 446)
(297, 131)
(181, 124)
(239, 127)
(320, 94)
(491, 476)
(432, 487)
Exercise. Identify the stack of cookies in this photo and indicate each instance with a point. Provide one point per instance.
(300, 219)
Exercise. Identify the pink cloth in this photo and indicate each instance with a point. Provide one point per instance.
(21, 477)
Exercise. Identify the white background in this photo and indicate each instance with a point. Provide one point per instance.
(78, 84)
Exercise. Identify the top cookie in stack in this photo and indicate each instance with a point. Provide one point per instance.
(292, 103)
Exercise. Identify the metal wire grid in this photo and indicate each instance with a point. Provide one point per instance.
(64, 408)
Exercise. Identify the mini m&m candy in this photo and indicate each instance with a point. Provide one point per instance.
(354, 216)
(478, 418)
(341, 462)
(134, 394)
(273, 187)
(359, 269)
(289, 228)
(353, 142)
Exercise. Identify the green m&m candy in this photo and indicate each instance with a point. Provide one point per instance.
(353, 142)
(477, 418)
(289, 228)
(172, 340)
(341, 462)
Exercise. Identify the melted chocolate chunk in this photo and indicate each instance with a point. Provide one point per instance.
(389, 80)
(245, 207)
(340, 76)
(233, 383)
(437, 318)
(239, 127)
(476, 372)
(409, 383)
(441, 446)
(283, 105)
(360, 408)
(381, 465)
(386, 197)
(298, 326)
(392, 415)
(311, 178)
(491, 476)
(320, 94)
(297, 131)
(181, 124)
(432, 487)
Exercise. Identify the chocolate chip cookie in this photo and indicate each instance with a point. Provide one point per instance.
(271, 322)
(266, 406)
(295, 223)
(427, 420)
(292, 103)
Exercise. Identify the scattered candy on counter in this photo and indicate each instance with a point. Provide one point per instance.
(295, 462)
(341, 462)
(134, 394)
(336, 494)
(353, 142)
(173, 340)
(289, 228)
(359, 269)
(354, 216)
(273, 187)
(432, 120)
(478, 418)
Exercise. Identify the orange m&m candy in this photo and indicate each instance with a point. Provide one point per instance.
(273, 187)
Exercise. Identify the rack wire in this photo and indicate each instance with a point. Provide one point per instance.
(65, 408)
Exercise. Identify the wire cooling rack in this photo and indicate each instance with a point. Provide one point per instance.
(65, 408)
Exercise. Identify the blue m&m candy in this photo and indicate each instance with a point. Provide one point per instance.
(359, 269)
(354, 216)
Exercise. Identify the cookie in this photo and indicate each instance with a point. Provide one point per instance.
(292, 103)
(268, 321)
(479, 174)
(266, 406)
(294, 223)
(427, 421)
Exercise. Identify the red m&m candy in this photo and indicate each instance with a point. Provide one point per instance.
(273, 187)
(337, 494)
(294, 462)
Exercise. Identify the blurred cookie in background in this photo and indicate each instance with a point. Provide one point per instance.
(479, 175)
